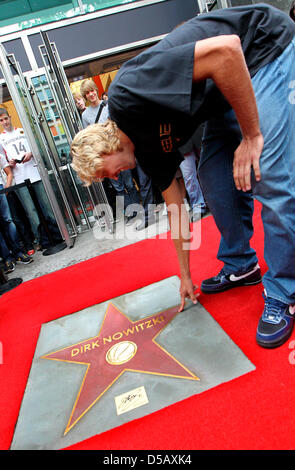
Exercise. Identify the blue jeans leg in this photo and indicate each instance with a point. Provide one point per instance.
(146, 190)
(43, 200)
(9, 226)
(23, 226)
(274, 90)
(232, 210)
(191, 182)
(125, 187)
(5, 253)
(30, 209)
(133, 197)
(118, 185)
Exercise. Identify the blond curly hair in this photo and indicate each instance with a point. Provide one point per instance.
(89, 145)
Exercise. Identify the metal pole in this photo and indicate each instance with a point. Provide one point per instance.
(9, 79)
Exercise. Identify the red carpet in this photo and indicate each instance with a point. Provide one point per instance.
(254, 411)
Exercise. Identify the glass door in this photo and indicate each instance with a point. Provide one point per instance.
(30, 119)
(61, 112)
(60, 172)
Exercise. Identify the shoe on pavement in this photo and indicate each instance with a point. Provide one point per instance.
(24, 259)
(223, 282)
(276, 323)
(9, 266)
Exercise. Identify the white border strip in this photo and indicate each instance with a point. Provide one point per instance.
(29, 52)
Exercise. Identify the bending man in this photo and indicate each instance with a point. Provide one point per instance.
(233, 68)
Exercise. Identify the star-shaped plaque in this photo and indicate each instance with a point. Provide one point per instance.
(121, 345)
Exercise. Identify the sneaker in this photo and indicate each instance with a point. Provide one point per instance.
(276, 323)
(223, 281)
(24, 259)
(30, 252)
(9, 266)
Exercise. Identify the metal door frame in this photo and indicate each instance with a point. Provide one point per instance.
(70, 117)
(11, 85)
(46, 138)
(53, 154)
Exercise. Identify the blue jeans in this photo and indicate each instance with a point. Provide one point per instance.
(125, 187)
(30, 208)
(232, 209)
(20, 220)
(9, 228)
(191, 182)
(146, 191)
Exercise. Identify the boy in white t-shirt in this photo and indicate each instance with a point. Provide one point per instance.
(16, 149)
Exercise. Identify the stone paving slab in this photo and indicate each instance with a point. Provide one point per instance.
(120, 360)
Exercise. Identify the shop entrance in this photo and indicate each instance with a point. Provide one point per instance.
(48, 116)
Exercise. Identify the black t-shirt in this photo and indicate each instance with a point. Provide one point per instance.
(153, 100)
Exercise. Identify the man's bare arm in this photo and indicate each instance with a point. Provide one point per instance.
(222, 59)
(180, 233)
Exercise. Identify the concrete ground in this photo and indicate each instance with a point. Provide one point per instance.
(89, 244)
